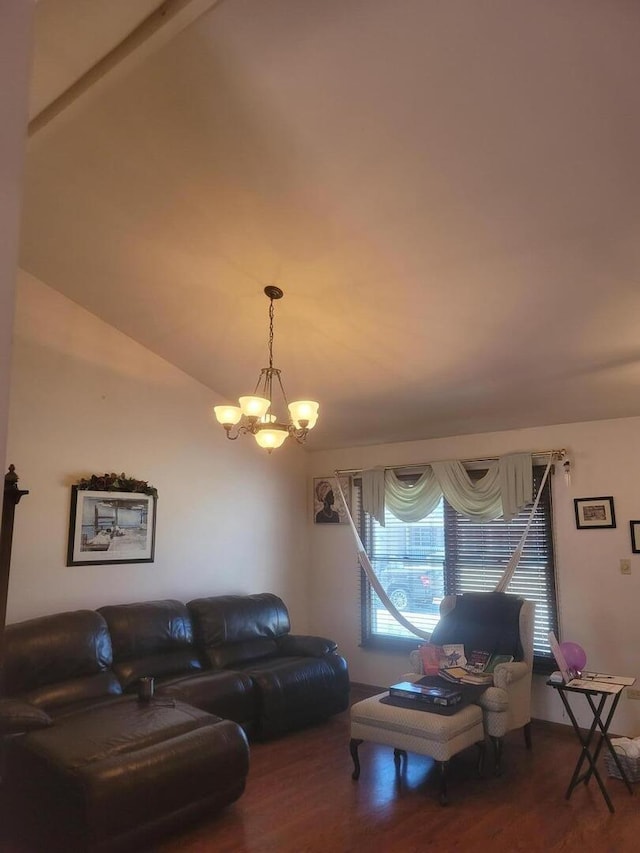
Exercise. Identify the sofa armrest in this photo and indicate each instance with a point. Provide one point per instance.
(17, 716)
(294, 645)
(508, 673)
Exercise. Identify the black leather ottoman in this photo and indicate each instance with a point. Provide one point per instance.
(114, 776)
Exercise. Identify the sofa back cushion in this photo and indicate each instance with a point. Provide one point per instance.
(233, 629)
(150, 638)
(60, 659)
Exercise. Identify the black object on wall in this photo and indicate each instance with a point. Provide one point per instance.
(12, 495)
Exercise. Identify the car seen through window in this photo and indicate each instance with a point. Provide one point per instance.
(413, 587)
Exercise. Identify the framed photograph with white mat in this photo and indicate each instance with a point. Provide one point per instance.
(111, 527)
(594, 513)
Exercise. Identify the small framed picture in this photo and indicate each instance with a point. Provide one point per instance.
(635, 536)
(594, 512)
(328, 507)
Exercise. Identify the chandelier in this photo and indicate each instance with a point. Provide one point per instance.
(255, 415)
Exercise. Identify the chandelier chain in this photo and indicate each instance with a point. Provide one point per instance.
(271, 334)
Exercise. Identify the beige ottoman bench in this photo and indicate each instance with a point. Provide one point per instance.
(438, 736)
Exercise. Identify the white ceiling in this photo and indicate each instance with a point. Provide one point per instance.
(448, 194)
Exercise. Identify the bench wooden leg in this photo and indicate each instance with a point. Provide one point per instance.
(398, 755)
(443, 765)
(527, 735)
(354, 743)
(497, 753)
(481, 753)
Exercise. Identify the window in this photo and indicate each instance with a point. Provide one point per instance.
(446, 552)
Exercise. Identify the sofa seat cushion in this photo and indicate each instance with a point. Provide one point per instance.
(227, 694)
(115, 773)
(297, 691)
(98, 733)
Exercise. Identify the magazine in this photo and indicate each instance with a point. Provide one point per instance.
(477, 678)
(453, 673)
(478, 660)
(494, 660)
(436, 658)
(478, 670)
(453, 655)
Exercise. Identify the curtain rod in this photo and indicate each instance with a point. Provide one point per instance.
(557, 456)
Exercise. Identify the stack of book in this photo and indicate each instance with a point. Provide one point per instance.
(459, 674)
(425, 696)
(451, 663)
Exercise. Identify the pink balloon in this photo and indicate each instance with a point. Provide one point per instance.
(575, 655)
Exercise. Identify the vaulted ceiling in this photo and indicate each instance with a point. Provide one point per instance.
(447, 193)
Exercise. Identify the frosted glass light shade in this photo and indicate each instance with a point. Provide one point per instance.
(270, 438)
(254, 407)
(304, 410)
(228, 414)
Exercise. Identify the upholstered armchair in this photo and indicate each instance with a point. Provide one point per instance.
(503, 624)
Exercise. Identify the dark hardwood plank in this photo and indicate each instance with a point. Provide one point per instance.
(300, 798)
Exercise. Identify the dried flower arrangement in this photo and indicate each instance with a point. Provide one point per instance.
(117, 483)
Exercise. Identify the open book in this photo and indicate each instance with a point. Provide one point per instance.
(601, 682)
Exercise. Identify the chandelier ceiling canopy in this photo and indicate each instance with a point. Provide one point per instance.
(256, 415)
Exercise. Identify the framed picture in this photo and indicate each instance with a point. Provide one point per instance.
(594, 512)
(111, 527)
(327, 506)
(635, 536)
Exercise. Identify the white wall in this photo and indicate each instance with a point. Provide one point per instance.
(86, 399)
(16, 18)
(599, 607)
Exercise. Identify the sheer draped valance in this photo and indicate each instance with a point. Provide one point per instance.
(503, 491)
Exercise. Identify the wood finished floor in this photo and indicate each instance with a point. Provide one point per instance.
(300, 798)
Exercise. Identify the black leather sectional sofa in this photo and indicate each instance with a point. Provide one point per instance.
(90, 766)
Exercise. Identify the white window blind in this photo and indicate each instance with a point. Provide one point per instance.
(418, 563)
